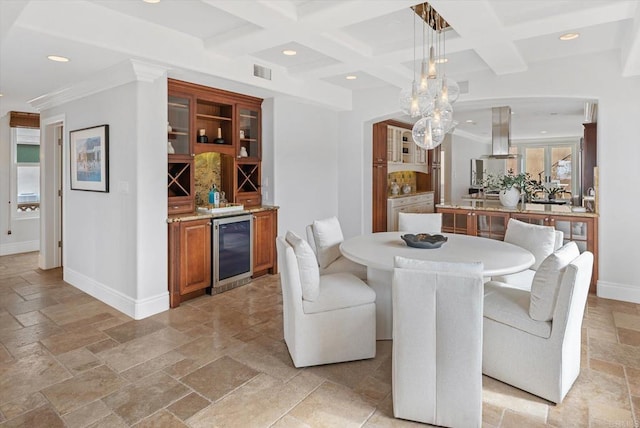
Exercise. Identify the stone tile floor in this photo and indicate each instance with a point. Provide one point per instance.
(67, 359)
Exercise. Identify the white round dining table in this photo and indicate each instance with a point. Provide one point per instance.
(377, 252)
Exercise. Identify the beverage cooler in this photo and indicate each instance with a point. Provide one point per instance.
(232, 251)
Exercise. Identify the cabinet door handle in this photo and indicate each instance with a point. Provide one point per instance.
(209, 224)
(175, 208)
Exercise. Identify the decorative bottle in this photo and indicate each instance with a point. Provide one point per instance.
(213, 193)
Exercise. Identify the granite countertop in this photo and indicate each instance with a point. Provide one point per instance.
(406, 195)
(200, 215)
(529, 209)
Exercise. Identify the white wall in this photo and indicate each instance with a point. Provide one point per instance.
(306, 152)
(25, 232)
(355, 160)
(267, 152)
(115, 243)
(461, 151)
(618, 152)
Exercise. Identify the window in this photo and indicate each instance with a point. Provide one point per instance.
(25, 147)
(552, 162)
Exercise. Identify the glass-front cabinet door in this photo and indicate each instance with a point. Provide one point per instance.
(178, 125)
(491, 224)
(249, 133)
(180, 154)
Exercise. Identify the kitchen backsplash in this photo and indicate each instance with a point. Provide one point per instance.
(207, 173)
(402, 177)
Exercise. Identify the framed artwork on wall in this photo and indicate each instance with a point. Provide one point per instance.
(89, 155)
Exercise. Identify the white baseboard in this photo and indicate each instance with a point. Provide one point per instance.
(19, 247)
(624, 292)
(136, 309)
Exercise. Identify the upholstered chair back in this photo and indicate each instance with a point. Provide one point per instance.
(420, 222)
(437, 344)
(568, 315)
(291, 287)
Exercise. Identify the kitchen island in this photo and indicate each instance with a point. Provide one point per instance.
(491, 222)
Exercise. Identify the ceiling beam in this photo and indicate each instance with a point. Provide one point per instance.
(478, 23)
(9, 13)
(631, 48)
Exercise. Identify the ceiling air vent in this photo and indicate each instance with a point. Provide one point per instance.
(464, 86)
(261, 72)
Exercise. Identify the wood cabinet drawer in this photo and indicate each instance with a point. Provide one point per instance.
(181, 206)
(250, 200)
(410, 200)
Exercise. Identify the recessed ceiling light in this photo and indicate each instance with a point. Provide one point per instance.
(543, 132)
(351, 77)
(469, 121)
(289, 52)
(57, 58)
(569, 36)
(151, 1)
(442, 60)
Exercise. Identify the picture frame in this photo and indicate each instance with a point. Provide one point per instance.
(89, 156)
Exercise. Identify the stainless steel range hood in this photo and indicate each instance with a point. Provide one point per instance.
(501, 133)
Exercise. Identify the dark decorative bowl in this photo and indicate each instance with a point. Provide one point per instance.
(424, 240)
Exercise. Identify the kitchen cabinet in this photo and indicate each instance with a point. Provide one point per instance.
(582, 229)
(213, 123)
(242, 178)
(393, 150)
(456, 221)
(204, 119)
(402, 152)
(180, 168)
(379, 223)
(249, 132)
(589, 155)
(487, 224)
(421, 203)
(379, 178)
(265, 230)
(190, 255)
(189, 259)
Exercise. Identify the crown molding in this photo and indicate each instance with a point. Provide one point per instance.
(126, 72)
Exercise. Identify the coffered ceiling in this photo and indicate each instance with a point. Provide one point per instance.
(369, 39)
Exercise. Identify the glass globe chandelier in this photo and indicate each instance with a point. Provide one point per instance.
(430, 98)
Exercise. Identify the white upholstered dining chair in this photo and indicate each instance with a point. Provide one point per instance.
(437, 342)
(324, 237)
(420, 222)
(327, 319)
(540, 240)
(532, 340)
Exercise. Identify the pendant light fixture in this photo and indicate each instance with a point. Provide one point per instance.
(431, 99)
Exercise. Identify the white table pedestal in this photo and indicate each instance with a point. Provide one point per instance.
(380, 281)
(377, 251)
